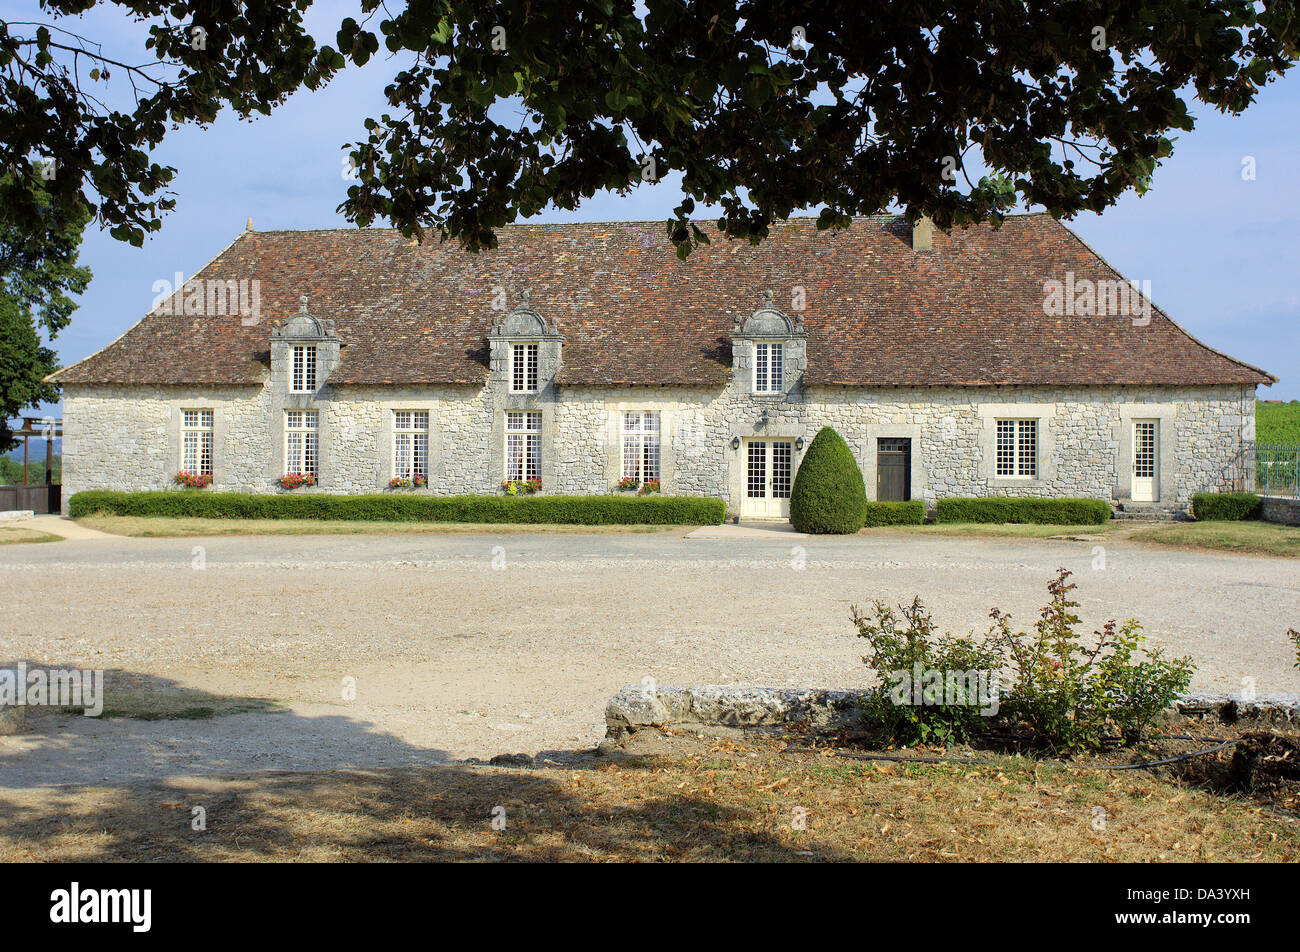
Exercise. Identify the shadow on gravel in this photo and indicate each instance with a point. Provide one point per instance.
(152, 727)
(402, 805)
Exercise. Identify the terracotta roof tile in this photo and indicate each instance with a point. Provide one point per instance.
(968, 312)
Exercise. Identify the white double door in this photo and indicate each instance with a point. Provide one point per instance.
(769, 474)
(1146, 460)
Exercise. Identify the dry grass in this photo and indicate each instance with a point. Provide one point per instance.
(149, 526)
(721, 800)
(1253, 538)
(11, 534)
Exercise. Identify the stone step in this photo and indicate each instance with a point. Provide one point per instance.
(1148, 515)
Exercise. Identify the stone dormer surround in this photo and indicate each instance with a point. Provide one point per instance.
(769, 323)
(524, 324)
(302, 328)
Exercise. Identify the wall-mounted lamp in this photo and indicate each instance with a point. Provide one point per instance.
(735, 442)
(798, 443)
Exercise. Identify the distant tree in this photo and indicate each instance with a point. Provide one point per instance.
(38, 276)
(11, 470)
(499, 108)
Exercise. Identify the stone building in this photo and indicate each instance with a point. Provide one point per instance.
(1011, 361)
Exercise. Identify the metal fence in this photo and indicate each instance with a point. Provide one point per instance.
(1277, 469)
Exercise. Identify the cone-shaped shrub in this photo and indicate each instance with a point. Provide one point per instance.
(828, 494)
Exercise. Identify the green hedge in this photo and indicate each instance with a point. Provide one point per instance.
(1225, 506)
(896, 513)
(401, 507)
(1061, 512)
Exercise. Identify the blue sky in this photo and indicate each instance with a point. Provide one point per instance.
(1222, 253)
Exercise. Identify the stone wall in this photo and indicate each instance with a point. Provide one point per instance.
(1280, 509)
(819, 711)
(128, 438)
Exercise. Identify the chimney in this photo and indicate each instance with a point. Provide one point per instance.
(922, 232)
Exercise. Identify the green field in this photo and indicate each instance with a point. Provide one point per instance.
(1278, 423)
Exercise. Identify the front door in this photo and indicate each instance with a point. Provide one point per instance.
(769, 471)
(893, 469)
(1146, 461)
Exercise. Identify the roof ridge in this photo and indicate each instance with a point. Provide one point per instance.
(372, 229)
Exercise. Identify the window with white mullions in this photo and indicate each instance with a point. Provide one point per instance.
(767, 367)
(523, 368)
(1017, 448)
(301, 435)
(1144, 458)
(196, 442)
(782, 454)
(523, 445)
(410, 443)
(756, 474)
(303, 367)
(640, 446)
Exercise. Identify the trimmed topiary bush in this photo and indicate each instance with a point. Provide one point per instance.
(1234, 506)
(910, 513)
(828, 496)
(394, 507)
(1056, 512)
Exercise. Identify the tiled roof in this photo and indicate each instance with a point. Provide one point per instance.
(968, 312)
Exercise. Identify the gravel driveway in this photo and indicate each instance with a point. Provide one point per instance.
(468, 645)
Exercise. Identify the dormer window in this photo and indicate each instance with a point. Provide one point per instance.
(767, 367)
(523, 368)
(303, 368)
(304, 352)
(769, 351)
(524, 351)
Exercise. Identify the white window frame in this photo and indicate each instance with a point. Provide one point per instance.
(524, 358)
(410, 443)
(197, 442)
(302, 368)
(1016, 445)
(769, 366)
(640, 444)
(302, 442)
(523, 444)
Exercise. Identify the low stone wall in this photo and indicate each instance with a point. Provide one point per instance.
(1283, 509)
(636, 708)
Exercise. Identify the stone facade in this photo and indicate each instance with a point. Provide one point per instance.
(128, 437)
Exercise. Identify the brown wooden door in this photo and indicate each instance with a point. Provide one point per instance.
(893, 469)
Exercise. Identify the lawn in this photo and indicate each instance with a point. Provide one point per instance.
(724, 799)
(171, 526)
(1250, 537)
(11, 534)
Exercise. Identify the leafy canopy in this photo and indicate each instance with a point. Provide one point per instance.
(39, 275)
(498, 109)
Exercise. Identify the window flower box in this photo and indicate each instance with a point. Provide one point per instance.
(296, 480)
(649, 486)
(417, 481)
(193, 480)
(521, 487)
(629, 484)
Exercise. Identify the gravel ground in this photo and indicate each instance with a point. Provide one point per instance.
(471, 645)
